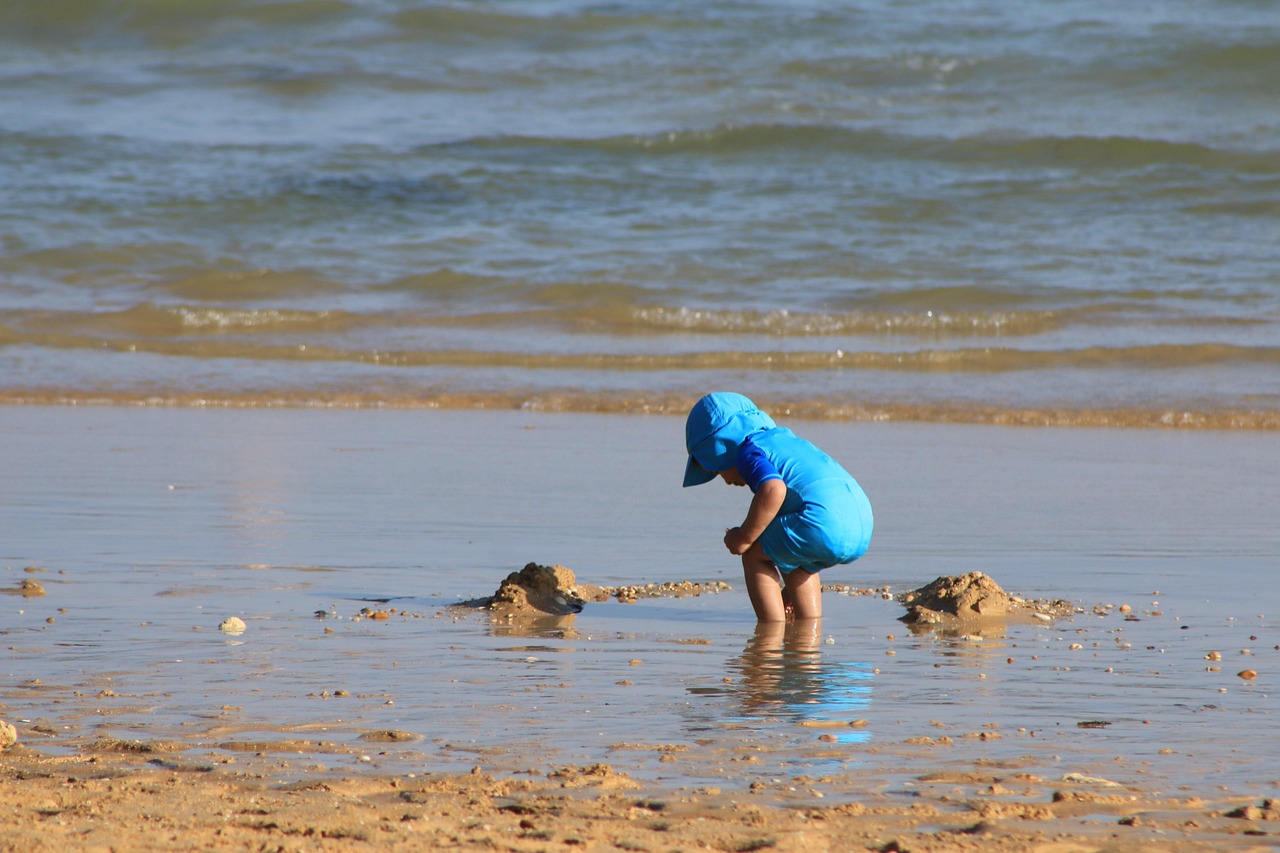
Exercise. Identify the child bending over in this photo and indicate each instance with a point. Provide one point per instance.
(807, 513)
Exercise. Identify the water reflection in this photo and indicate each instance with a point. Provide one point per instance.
(986, 628)
(784, 677)
(544, 625)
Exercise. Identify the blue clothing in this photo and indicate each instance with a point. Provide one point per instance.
(716, 425)
(825, 518)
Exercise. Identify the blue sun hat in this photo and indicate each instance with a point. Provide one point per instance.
(717, 424)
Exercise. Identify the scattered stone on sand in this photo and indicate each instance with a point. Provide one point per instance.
(1248, 674)
(671, 589)
(973, 596)
(8, 735)
(847, 589)
(232, 625)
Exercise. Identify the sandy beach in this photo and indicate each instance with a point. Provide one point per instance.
(156, 801)
(359, 708)
(321, 319)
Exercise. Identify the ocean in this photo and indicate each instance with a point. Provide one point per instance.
(1055, 212)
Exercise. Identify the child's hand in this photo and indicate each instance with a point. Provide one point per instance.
(737, 541)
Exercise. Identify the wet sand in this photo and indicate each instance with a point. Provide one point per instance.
(100, 802)
(667, 723)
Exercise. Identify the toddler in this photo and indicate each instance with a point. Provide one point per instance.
(807, 513)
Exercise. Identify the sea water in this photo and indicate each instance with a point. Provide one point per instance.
(1043, 212)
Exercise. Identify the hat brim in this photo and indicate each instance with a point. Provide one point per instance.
(695, 474)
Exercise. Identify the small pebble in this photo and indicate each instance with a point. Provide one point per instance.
(1247, 674)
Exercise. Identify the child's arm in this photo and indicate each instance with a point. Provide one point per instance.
(764, 508)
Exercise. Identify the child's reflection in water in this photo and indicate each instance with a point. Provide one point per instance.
(784, 677)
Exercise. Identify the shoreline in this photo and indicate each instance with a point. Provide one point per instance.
(672, 405)
(137, 799)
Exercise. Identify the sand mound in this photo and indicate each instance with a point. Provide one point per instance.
(959, 596)
(539, 591)
(974, 598)
(543, 590)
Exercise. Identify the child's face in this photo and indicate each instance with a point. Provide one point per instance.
(732, 477)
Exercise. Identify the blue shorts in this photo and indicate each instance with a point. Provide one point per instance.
(821, 535)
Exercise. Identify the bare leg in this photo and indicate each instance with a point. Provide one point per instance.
(803, 593)
(764, 585)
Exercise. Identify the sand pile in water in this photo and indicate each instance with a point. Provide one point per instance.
(539, 591)
(974, 597)
(543, 590)
(970, 595)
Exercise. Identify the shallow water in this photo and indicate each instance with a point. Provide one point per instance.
(1043, 212)
(153, 525)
